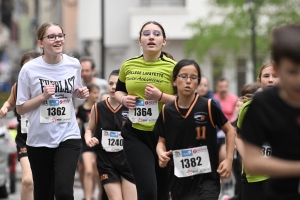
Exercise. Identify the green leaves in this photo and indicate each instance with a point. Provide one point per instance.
(231, 32)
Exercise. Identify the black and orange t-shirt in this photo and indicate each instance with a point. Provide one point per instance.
(108, 118)
(188, 128)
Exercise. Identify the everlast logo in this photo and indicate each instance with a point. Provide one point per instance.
(66, 86)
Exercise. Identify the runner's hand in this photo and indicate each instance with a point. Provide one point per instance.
(3, 112)
(129, 101)
(163, 158)
(224, 168)
(83, 92)
(152, 92)
(48, 91)
(91, 142)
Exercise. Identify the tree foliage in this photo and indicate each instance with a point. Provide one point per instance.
(227, 29)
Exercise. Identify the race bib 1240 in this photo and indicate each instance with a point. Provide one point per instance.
(112, 141)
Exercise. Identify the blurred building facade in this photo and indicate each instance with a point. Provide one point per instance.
(122, 23)
(81, 20)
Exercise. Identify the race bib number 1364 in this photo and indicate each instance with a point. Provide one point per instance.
(145, 111)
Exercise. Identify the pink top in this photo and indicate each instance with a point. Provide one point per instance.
(227, 105)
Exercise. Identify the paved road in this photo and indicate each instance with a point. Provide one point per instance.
(78, 193)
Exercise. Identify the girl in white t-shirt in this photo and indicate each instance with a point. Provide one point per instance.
(46, 86)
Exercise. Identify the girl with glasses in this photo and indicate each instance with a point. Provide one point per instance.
(144, 85)
(187, 145)
(46, 86)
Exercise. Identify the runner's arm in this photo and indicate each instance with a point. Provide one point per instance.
(8, 105)
(163, 155)
(271, 166)
(166, 98)
(30, 104)
(91, 125)
(228, 129)
(152, 92)
(161, 145)
(239, 145)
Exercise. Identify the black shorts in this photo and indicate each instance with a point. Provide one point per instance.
(253, 190)
(202, 186)
(21, 143)
(206, 191)
(111, 166)
(85, 148)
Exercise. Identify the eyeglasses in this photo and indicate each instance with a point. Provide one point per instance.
(185, 77)
(156, 33)
(53, 37)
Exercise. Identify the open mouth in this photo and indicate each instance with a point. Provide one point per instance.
(57, 45)
(151, 43)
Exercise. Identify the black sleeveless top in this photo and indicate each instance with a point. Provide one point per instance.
(188, 128)
(109, 119)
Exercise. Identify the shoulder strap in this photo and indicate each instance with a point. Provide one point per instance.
(209, 113)
(15, 91)
(96, 113)
(163, 112)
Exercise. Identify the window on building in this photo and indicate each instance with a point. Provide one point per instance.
(149, 3)
(241, 74)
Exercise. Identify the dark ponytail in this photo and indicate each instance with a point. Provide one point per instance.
(167, 55)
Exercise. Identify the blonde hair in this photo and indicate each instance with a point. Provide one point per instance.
(264, 66)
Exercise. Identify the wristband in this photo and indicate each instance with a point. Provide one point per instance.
(160, 96)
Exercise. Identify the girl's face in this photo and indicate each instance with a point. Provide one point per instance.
(152, 39)
(53, 41)
(94, 95)
(187, 80)
(112, 83)
(203, 87)
(238, 106)
(289, 73)
(269, 77)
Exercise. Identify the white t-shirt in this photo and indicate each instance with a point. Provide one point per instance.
(33, 76)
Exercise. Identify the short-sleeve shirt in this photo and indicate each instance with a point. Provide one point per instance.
(227, 105)
(179, 128)
(136, 73)
(250, 177)
(271, 119)
(33, 76)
